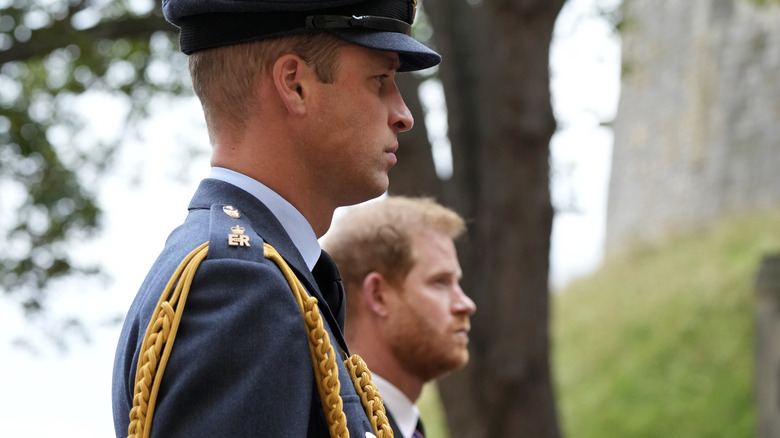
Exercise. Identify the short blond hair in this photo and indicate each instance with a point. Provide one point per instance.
(378, 236)
(224, 78)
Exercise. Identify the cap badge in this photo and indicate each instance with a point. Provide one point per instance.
(414, 9)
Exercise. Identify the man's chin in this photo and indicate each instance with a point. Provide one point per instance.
(377, 189)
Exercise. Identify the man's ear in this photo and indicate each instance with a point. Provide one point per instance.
(375, 292)
(290, 78)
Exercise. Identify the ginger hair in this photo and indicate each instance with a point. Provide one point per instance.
(377, 236)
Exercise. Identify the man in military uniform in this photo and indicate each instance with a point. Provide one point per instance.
(406, 313)
(303, 115)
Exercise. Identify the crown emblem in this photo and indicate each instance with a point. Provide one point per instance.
(237, 236)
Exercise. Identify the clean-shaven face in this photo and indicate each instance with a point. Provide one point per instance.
(358, 117)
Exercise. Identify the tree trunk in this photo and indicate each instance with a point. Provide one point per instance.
(415, 173)
(496, 79)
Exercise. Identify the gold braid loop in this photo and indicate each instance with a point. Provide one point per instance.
(327, 377)
(159, 337)
(369, 395)
(161, 331)
(322, 353)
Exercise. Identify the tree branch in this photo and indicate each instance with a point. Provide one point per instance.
(62, 34)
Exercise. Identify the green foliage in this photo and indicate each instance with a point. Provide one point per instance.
(432, 412)
(612, 13)
(660, 343)
(51, 52)
(763, 3)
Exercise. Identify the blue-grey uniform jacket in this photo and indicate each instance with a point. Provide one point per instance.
(240, 364)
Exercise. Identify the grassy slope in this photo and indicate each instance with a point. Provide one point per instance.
(660, 343)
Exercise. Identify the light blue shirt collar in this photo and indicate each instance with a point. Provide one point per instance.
(296, 226)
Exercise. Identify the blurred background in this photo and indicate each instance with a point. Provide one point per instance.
(617, 162)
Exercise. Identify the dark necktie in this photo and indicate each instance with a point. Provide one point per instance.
(419, 431)
(329, 281)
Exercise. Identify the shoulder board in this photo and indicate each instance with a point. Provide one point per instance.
(231, 235)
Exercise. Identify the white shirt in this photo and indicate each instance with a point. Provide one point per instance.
(297, 227)
(405, 413)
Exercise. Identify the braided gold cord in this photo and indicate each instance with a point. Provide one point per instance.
(322, 353)
(161, 331)
(327, 378)
(159, 337)
(369, 395)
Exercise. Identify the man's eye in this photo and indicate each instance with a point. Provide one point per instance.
(382, 78)
(441, 282)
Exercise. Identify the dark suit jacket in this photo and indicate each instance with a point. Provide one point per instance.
(240, 364)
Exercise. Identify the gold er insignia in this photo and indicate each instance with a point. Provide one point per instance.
(414, 9)
(238, 238)
(231, 211)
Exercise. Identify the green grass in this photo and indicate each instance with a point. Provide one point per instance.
(660, 343)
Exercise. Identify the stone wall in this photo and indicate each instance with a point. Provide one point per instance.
(697, 132)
